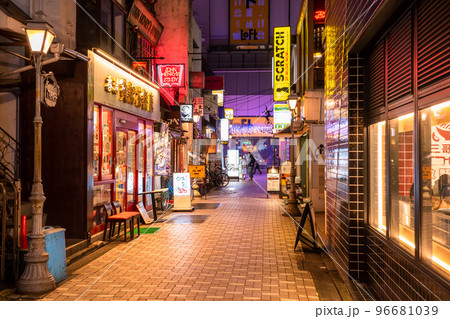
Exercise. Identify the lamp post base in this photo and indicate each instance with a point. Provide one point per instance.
(36, 279)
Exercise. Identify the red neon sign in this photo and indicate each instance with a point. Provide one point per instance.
(171, 75)
(319, 16)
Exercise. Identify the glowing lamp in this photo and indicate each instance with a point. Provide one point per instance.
(292, 100)
(40, 34)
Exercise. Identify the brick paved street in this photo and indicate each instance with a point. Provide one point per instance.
(243, 251)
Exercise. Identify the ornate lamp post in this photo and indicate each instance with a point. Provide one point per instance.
(36, 279)
(292, 202)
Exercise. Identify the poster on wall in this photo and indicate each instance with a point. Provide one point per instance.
(186, 112)
(162, 151)
(249, 22)
(281, 63)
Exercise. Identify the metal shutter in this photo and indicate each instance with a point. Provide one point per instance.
(375, 81)
(399, 59)
(433, 41)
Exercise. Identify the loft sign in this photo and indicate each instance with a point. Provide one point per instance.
(127, 93)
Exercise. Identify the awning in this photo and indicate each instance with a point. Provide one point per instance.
(286, 132)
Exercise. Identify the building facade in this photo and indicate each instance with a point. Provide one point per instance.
(387, 96)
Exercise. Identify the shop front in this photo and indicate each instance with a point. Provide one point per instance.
(125, 110)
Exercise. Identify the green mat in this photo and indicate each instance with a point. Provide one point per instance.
(146, 230)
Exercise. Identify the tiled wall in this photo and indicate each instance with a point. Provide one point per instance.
(391, 276)
(344, 133)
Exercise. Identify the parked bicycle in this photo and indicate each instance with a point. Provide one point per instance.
(217, 176)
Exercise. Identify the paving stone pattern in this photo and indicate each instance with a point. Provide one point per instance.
(243, 251)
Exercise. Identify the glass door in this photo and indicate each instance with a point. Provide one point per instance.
(131, 171)
(121, 166)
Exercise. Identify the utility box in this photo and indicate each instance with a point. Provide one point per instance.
(55, 246)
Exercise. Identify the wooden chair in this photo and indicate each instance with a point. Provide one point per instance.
(118, 209)
(112, 217)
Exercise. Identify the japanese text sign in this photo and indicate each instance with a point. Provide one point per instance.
(181, 184)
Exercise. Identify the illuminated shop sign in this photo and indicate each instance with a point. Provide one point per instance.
(319, 16)
(142, 18)
(229, 113)
(129, 93)
(281, 68)
(224, 133)
(281, 116)
(247, 130)
(171, 75)
(249, 22)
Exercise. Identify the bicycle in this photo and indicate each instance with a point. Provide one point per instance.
(217, 176)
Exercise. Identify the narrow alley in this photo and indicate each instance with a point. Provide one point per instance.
(236, 245)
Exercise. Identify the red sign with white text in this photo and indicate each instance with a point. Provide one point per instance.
(171, 75)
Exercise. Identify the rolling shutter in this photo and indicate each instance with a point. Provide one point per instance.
(399, 59)
(433, 41)
(375, 81)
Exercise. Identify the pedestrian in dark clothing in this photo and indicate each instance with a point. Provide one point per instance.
(251, 166)
(257, 168)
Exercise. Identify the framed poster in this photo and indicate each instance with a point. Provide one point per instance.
(140, 207)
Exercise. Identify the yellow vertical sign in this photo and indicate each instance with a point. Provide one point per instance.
(281, 63)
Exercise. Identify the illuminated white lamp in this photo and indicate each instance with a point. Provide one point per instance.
(39, 34)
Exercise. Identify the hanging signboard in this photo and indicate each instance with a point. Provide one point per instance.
(224, 133)
(281, 116)
(249, 21)
(197, 171)
(141, 68)
(282, 63)
(170, 75)
(198, 105)
(197, 80)
(229, 113)
(182, 191)
(210, 104)
(142, 18)
(214, 83)
(186, 112)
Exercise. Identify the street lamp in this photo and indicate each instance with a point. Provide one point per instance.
(36, 278)
(292, 202)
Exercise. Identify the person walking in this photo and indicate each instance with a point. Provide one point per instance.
(251, 165)
(257, 168)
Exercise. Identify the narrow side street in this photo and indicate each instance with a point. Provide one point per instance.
(242, 251)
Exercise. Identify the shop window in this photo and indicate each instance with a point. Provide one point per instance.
(112, 20)
(435, 184)
(401, 176)
(102, 195)
(96, 163)
(377, 191)
(107, 153)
